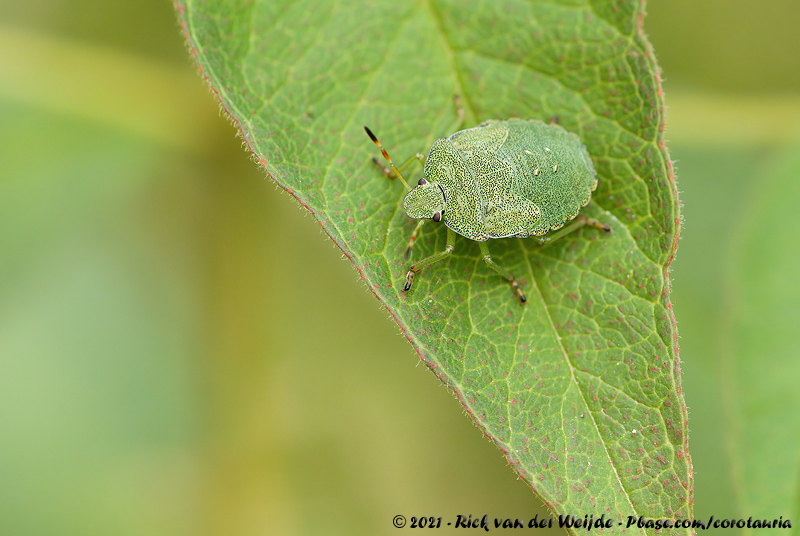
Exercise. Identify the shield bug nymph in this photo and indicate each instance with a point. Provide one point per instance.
(501, 179)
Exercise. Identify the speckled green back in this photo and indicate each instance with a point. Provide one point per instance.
(511, 178)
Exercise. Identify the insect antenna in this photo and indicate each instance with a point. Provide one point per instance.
(387, 157)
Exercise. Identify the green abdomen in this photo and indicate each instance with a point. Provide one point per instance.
(551, 168)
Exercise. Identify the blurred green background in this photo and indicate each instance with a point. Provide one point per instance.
(183, 351)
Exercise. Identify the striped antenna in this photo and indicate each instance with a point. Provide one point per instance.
(387, 157)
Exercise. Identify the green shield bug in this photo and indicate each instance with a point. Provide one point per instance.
(501, 179)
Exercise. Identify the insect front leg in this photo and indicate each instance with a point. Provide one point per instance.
(487, 258)
(413, 239)
(459, 114)
(389, 172)
(576, 224)
(420, 265)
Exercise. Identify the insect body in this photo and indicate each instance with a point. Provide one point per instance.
(501, 179)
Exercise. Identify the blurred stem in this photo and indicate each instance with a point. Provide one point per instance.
(133, 94)
(699, 118)
(166, 104)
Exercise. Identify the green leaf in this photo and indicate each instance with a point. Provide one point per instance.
(580, 388)
(759, 365)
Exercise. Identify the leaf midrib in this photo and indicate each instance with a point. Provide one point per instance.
(565, 356)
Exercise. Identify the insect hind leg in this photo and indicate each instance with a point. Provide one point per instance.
(487, 258)
(574, 225)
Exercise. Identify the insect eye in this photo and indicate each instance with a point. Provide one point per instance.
(437, 216)
(422, 182)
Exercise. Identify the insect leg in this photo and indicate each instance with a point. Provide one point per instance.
(413, 239)
(591, 222)
(391, 174)
(576, 224)
(487, 258)
(460, 112)
(420, 265)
